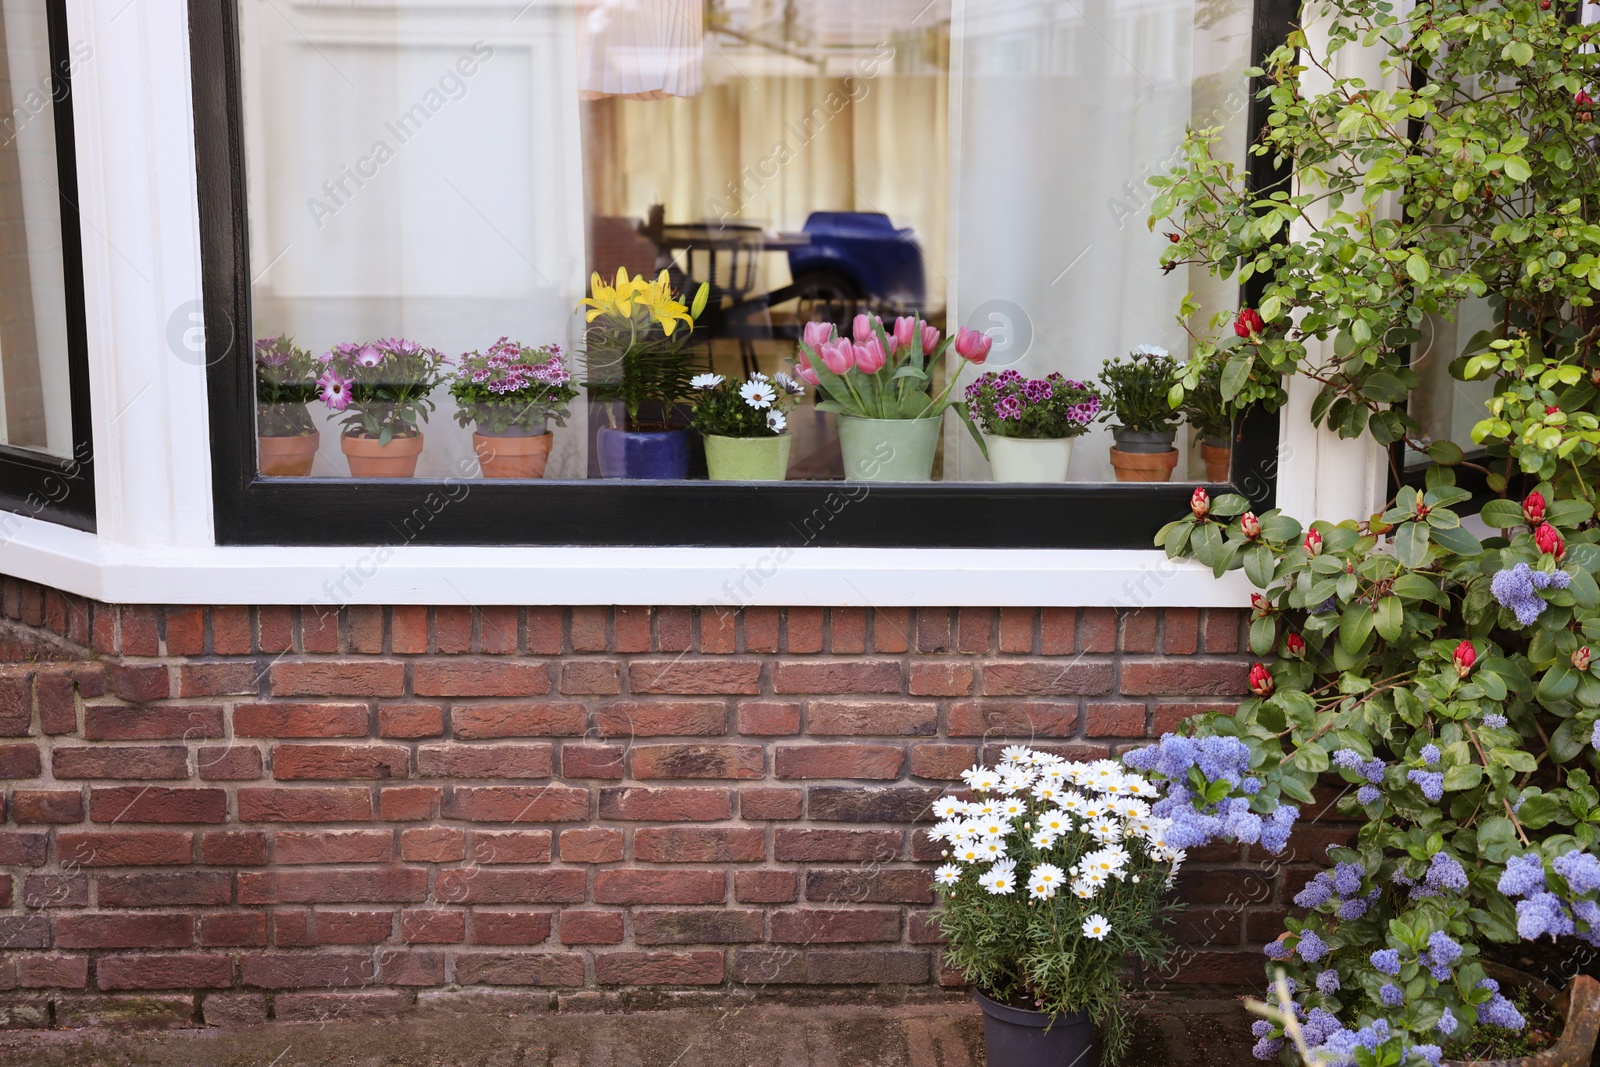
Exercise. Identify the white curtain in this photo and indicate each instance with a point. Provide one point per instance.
(647, 49)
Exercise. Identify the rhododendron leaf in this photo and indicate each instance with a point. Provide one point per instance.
(1229, 505)
(1458, 540)
(1263, 634)
(1259, 566)
(1355, 625)
(1411, 544)
(1388, 617)
(1558, 683)
(1465, 776)
(1502, 514)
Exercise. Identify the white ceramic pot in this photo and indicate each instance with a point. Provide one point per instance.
(1021, 459)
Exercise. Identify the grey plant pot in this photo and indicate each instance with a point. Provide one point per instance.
(1140, 441)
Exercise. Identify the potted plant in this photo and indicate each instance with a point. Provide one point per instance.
(286, 436)
(743, 425)
(383, 388)
(1057, 873)
(638, 354)
(1030, 423)
(1136, 388)
(1211, 419)
(880, 385)
(510, 394)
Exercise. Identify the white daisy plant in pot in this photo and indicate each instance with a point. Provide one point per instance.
(744, 424)
(1055, 874)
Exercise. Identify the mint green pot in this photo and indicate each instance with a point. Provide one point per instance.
(747, 459)
(889, 450)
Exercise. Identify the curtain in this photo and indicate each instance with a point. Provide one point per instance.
(645, 49)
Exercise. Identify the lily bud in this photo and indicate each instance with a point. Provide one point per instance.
(1200, 503)
(1261, 683)
(1295, 646)
(1313, 543)
(1549, 541)
(1250, 525)
(1465, 657)
(1581, 658)
(1533, 508)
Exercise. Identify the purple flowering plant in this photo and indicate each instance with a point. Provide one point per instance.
(285, 383)
(1049, 408)
(512, 389)
(382, 387)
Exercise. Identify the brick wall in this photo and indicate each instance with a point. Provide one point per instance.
(216, 813)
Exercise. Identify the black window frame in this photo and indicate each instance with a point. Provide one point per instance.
(252, 510)
(33, 483)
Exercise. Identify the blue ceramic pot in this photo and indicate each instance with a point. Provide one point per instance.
(657, 455)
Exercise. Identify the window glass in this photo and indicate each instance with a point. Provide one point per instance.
(433, 189)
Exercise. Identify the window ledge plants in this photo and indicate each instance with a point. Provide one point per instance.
(745, 425)
(286, 435)
(511, 394)
(383, 389)
(1137, 391)
(1030, 423)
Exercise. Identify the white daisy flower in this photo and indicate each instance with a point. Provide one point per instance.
(1043, 839)
(1015, 753)
(788, 384)
(776, 421)
(1013, 808)
(1056, 822)
(980, 779)
(1039, 891)
(758, 394)
(946, 830)
(984, 810)
(1150, 350)
(1084, 890)
(1129, 808)
(1142, 787)
(948, 808)
(1001, 879)
(1094, 878)
(1092, 809)
(968, 854)
(992, 848)
(1096, 927)
(1048, 792)
(1048, 874)
(1106, 830)
(949, 874)
(705, 381)
(993, 827)
(1074, 802)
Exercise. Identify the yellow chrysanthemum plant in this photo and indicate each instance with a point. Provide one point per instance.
(639, 349)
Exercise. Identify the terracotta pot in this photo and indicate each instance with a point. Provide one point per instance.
(1219, 461)
(286, 457)
(1579, 1006)
(512, 457)
(1144, 466)
(369, 459)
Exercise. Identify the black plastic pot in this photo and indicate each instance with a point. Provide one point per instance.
(1016, 1037)
(1143, 441)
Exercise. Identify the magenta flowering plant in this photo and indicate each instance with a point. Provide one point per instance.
(512, 390)
(1048, 408)
(877, 373)
(382, 387)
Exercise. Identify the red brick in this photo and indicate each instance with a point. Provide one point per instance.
(659, 968)
(765, 887)
(852, 676)
(165, 889)
(234, 848)
(592, 761)
(389, 885)
(483, 721)
(22, 761)
(480, 678)
(514, 927)
(630, 629)
(124, 931)
(835, 925)
(50, 891)
(323, 1008)
(141, 682)
(25, 931)
(693, 677)
(680, 718)
(497, 630)
(941, 679)
(686, 844)
(891, 629)
(433, 844)
(805, 845)
(230, 763)
(696, 926)
(1222, 630)
(305, 804)
(847, 630)
(302, 970)
(718, 627)
(1114, 720)
(352, 678)
(432, 926)
(1023, 719)
(115, 722)
(452, 629)
(591, 677)
(332, 846)
(872, 718)
(509, 846)
(674, 629)
(858, 885)
(185, 631)
(839, 761)
(58, 704)
(478, 885)
(132, 804)
(298, 929)
(365, 629)
(761, 629)
(589, 628)
(803, 630)
(616, 886)
(230, 630)
(319, 629)
(768, 718)
(851, 803)
(550, 803)
(1098, 632)
(687, 804)
(1183, 677)
(402, 803)
(520, 969)
(217, 680)
(544, 631)
(103, 629)
(54, 972)
(941, 762)
(1139, 630)
(117, 761)
(770, 803)
(582, 927)
(275, 626)
(483, 761)
(47, 806)
(933, 630)
(877, 967)
(1215, 968)
(235, 1009)
(408, 630)
(1180, 631)
(237, 929)
(338, 762)
(697, 761)
(26, 849)
(300, 720)
(410, 721)
(164, 971)
(591, 844)
(973, 628)
(1077, 677)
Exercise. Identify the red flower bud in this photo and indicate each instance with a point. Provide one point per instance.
(1174, 238)
(1200, 503)
(1544, 5)
(1313, 543)
(1533, 508)
(1249, 323)
(1582, 99)
(1261, 683)
(1551, 409)
(1295, 646)
(1581, 658)
(1250, 525)
(1549, 541)
(1465, 657)
(1260, 606)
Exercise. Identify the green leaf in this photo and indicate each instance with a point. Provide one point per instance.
(1236, 374)
(1568, 740)
(1497, 839)
(1417, 267)
(1516, 168)
(1354, 627)
(1263, 635)
(1460, 541)
(1446, 452)
(1502, 514)
(1388, 617)
(1259, 565)
(1558, 683)
(1463, 776)
(1411, 544)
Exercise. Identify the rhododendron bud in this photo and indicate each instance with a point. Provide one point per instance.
(863, 327)
(1583, 99)
(1549, 541)
(1261, 683)
(1465, 657)
(1581, 658)
(1295, 646)
(1533, 508)
(1250, 525)
(1249, 323)
(1313, 543)
(1200, 503)
(1551, 409)
(1260, 605)
(1174, 238)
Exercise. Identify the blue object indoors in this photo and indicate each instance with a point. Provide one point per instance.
(659, 455)
(864, 247)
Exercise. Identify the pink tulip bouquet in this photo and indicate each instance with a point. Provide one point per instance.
(879, 374)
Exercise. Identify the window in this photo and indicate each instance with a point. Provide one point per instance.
(387, 188)
(44, 425)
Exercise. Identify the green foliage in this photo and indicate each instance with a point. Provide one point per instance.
(286, 381)
(1135, 390)
(1203, 406)
(726, 407)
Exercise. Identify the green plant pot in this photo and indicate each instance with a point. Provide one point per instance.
(888, 450)
(747, 459)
